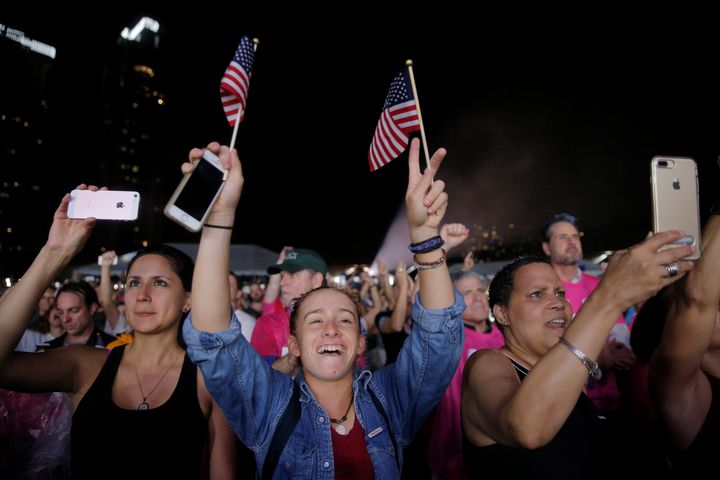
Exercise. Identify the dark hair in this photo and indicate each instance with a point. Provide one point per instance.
(297, 303)
(81, 288)
(180, 262)
(502, 285)
(558, 217)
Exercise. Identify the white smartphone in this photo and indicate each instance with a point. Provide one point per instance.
(194, 197)
(104, 204)
(115, 261)
(675, 199)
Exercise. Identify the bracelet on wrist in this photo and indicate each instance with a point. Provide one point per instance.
(427, 245)
(224, 227)
(430, 265)
(592, 367)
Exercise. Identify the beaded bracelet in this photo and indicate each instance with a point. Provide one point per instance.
(427, 245)
(433, 264)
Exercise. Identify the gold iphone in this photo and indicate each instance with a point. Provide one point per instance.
(675, 199)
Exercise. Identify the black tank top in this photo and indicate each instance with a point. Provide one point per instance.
(577, 451)
(164, 442)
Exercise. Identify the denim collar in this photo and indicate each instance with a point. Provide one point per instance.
(361, 378)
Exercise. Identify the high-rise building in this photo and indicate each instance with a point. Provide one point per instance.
(24, 129)
(132, 124)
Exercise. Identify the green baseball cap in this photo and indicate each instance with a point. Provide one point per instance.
(300, 259)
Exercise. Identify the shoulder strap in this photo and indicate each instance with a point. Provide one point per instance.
(285, 428)
(382, 411)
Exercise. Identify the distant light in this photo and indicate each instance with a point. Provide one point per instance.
(144, 23)
(9, 229)
(8, 282)
(19, 37)
(161, 101)
(145, 243)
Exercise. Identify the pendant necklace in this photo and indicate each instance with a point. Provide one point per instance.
(144, 405)
(338, 421)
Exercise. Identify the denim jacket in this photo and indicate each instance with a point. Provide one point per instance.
(253, 396)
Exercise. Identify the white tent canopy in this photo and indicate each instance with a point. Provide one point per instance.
(245, 260)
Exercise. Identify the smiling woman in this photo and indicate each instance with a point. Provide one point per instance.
(331, 420)
(143, 386)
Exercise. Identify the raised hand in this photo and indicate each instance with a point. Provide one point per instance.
(283, 252)
(230, 195)
(426, 201)
(68, 235)
(637, 273)
(107, 258)
(453, 234)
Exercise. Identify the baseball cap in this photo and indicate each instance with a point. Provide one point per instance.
(300, 259)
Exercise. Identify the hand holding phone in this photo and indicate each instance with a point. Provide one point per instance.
(104, 204)
(100, 259)
(675, 199)
(197, 192)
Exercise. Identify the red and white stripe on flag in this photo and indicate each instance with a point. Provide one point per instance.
(391, 134)
(235, 82)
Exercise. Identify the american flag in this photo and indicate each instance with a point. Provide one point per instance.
(399, 118)
(235, 83)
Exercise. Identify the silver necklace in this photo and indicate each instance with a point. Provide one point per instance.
(339, 421)
(144, 405)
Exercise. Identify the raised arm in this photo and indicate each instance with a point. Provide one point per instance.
(210, 294)
(529, 414)
(66, 238)
(272, 291)
(426, 202)
(677, 382)
(106, 301)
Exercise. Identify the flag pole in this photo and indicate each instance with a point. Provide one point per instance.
(409, 64)
(256, 42)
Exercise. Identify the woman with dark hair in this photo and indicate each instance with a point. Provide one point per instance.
(145, 399)
(524, 410)
(330, 421)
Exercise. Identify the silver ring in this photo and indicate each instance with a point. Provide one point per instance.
(672, 269)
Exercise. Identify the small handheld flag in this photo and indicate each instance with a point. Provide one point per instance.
(399, 117)
(235, 82)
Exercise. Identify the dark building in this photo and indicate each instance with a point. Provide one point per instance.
(24, 138)
(133, 122)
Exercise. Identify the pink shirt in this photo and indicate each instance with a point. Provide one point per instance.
(272, 329)
(445, 446)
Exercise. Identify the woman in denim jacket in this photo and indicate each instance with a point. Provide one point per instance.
(350, 425)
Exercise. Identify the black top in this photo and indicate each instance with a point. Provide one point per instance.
(166, 441)
(701, 454)
(392, 342)
(579, 450)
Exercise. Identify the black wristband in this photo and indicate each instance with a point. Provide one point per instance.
(427, 245)
(224, 227)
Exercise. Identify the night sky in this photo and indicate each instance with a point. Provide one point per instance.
(537, 117)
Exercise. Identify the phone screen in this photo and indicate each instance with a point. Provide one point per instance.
(200, 190)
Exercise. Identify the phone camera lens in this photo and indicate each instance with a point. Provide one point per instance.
(662, 163)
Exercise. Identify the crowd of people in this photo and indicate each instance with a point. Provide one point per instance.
(541, 371)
